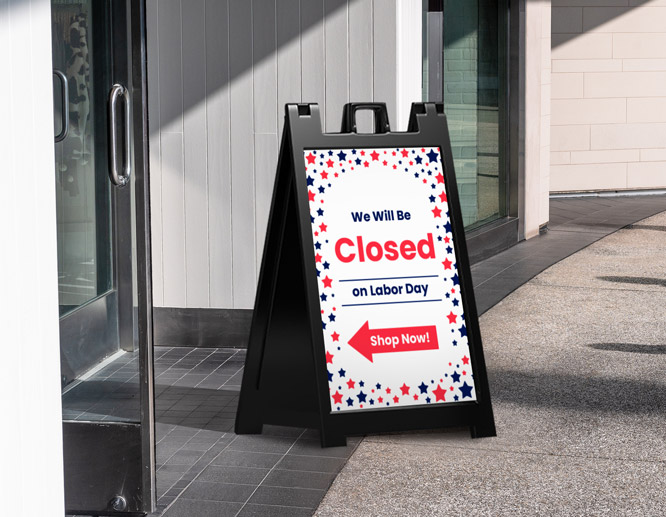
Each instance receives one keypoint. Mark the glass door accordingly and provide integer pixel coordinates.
(106, 367)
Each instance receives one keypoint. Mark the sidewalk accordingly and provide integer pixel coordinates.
(577, 365)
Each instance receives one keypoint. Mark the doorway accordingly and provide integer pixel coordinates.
(103, 255)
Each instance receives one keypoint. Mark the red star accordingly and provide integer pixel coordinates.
(385, 162)
(318, 257)
(437, 212)
(442, 196)
(405, 153)
(324, 175)
(375, 155)
(322, 227)
(327, 281)
(335, 336)
(311, 195)
(362, 153)
(311, 158)
(396, 399)
(330, 163)
(395, 166)
(351, 384)
(452, 317)
(440, 178)
(337, 397)
(447, 239)
(465, 359)
(388, 391)
(404, 388)
(440, 393)
(329, 357)
(447, 263)
(416, 397)
(380, 400)
(366, 164)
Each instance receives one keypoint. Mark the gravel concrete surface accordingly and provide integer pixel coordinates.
(577, 366)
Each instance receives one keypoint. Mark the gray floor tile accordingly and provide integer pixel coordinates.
(238, 475)
(191, 508)
(262, 510)
(299, 479)
(209, 491)
(299, 497)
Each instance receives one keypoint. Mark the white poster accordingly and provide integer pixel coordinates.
(389, 292)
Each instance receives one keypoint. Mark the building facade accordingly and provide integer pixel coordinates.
(151, 209)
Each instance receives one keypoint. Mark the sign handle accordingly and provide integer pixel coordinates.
(378, 109)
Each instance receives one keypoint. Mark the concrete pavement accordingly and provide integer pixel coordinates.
(577, 366)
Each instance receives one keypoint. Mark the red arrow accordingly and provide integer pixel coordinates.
(405, 339)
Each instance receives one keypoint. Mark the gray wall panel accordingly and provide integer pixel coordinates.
(216, 117)
(153, 69)
(219, 153)
(242, 153)
(195, 153)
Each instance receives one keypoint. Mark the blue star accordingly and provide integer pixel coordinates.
(448, 295)
(331, 317)
(455, 343)
(320, 211)
(456, 303)
(418, 160)
(372, 402)
(439, 238)
(317, 245)
(350, 401)
(326, 265)
(361, 396)
(456, 279)
(312, 218)
(423, 387)
(455, 397)
(463, 331)
(428, 400)
(447, 227)
(416, 174)
(432, 156)
(455, 376)
(330, 153)
(342, 156)
(323, 297)
(358, 161)
(353, 151)
(323, 325)
(341, 372)
(330, 376)
(310, 181)
(321, 190)
(378, 386)
(466, 390)
(318, 272)
(449, 249)
(361, 383)
(433, 199)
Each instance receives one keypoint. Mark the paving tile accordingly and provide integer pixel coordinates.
(311, 463)
(191, 508)
(209, 491)
(237, 475)
(262, 510)
(247, 459)
(299, 479)
(299, 497)
(261, 443)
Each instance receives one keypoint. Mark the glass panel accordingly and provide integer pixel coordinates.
(95, 221)
(472, 88)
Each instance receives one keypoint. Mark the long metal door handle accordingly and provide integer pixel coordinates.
(119, 178)
(64, 97)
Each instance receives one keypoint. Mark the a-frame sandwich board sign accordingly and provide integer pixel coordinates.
(365, 319)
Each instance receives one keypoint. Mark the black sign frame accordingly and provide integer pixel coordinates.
(285, 379)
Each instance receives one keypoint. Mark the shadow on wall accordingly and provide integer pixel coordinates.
(597, 18)
(293, 18)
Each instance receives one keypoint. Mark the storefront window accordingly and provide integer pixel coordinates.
(464, 66)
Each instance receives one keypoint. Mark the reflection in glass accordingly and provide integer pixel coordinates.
(82, 188)
(465, 37)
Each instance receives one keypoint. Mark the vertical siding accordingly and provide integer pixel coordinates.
(217, 114)
(31, 448)
(218, 136)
